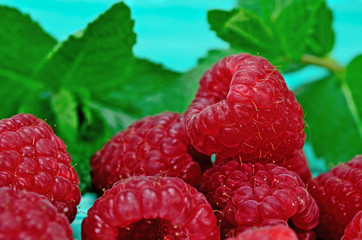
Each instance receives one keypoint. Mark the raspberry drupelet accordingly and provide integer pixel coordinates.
(353, 230)
(277, 232)
(33, 158)
(247, 195)
(296, 162)
(243, 106)
(148, 207)
(338, 194)
(155, 146)
(30, 216)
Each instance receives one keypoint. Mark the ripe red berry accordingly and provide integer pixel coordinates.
(148, 207)
(296, 162)
(250, 195)
(338, 194)
(155, 146)
(278, 232)
(33, 158)
(353, 230)
(243, 106)
(30, 216)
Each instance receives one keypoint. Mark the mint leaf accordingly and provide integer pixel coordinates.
(321, 40)
(14, 89)
(277, 30)
(352, 90)
(65, 106)
(292, 28)
(244, 30)
(24, 43)
(148, 89)
(96, 58)
(331, 128)
(116, 119)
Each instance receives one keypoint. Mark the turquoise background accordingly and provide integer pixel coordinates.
(176, 34)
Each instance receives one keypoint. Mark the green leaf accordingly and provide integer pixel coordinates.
(244, 30)
(96, 58)
(38, 104)
(14, 88)
(148, 89)
(321, 41)
(116, 119)
(279, 30)
(64, 107)
(90, 139)
(292, 28)
(352, 89)
(331, 128)
(24, 43)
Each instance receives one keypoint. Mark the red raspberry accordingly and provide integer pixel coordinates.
(252, 195)
(155, 146)
(338, 194)
(148, 207)
(30, 216)
(296, 162)
(278, 232)
(353, 230)
(243, 106)
(33, 158)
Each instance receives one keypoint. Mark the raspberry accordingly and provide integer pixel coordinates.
(30, 216)
(279, 232)
(253, 195)
(155, 145)
(243, 106)
(338, 194)
(33, 158)
(296, 162)
(353, 230)
(149, 207)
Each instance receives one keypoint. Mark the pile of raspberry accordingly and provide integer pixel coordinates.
(244, 114)
(156, 179)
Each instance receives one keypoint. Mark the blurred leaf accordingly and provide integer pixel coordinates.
(354, 87)
(14, 89)
(24, 43)
(19, 55)
(321, 41)
(96, 58)
(330, 125)
(148, 89)
(38, 104)
(64, 107)
(115, 118)
(90, 139)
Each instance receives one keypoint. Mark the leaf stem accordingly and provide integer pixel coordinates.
(326, 62)
(352, 107)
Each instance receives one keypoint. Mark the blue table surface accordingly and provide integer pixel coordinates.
(176, 34)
